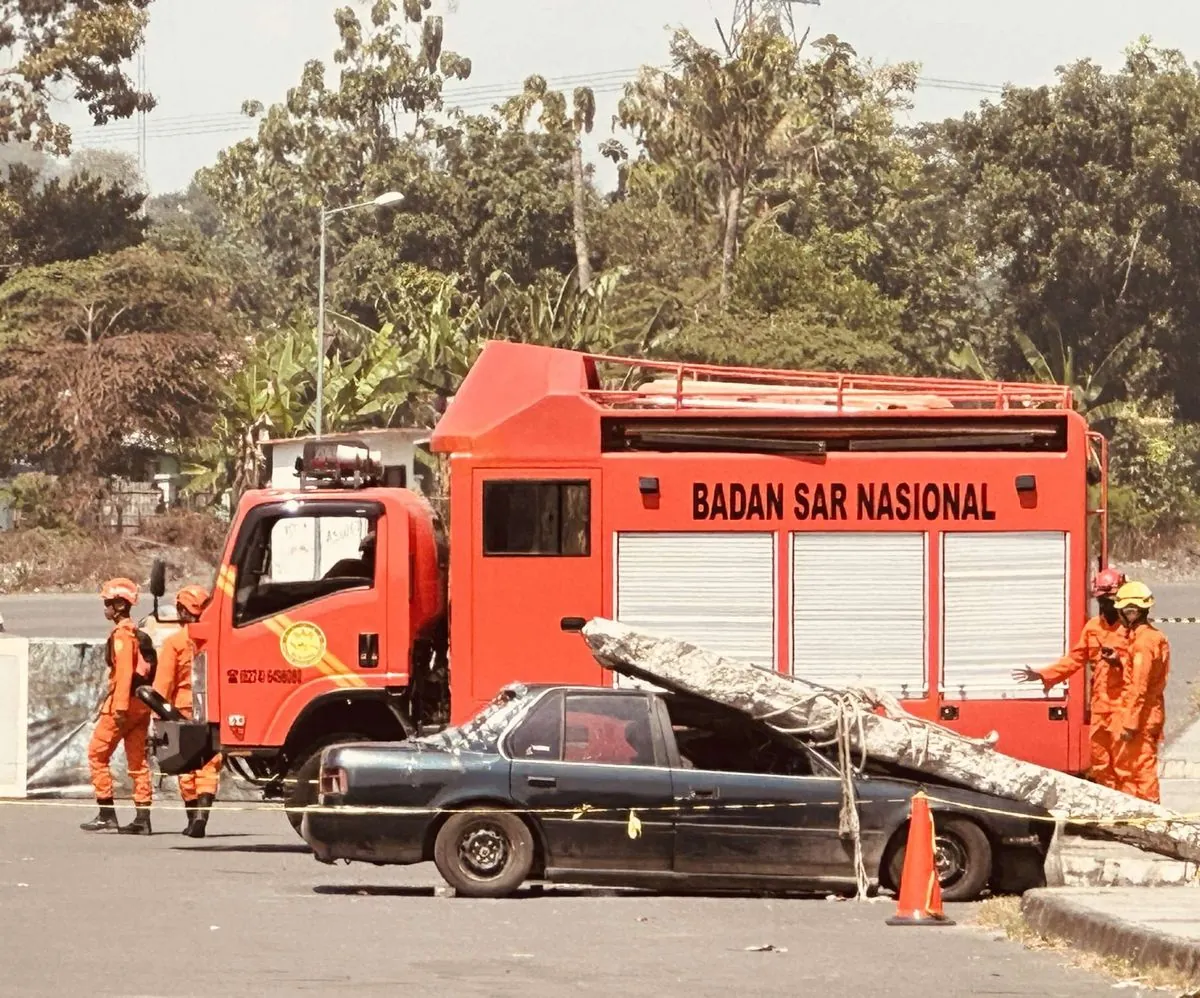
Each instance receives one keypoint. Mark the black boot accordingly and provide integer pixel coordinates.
(204, 805)
(140, 825)
(190, 807)
(105, 821)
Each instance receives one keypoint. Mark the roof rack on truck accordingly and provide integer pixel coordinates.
(677, 385)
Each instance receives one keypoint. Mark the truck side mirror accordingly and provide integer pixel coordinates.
(158, 578)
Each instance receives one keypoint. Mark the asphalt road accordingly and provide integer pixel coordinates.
(59, 615)
(248, 912)
(81, 616)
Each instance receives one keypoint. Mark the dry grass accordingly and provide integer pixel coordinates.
(1003, 915)
(198, 532)
(40, 560)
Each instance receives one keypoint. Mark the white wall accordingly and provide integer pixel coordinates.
(14, 714)
(392, 450)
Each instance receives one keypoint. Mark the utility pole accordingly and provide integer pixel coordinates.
(747, 12)
(141, 85)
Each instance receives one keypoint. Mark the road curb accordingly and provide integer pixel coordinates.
(1180, 769)
(1054, 912)
(1181, 758)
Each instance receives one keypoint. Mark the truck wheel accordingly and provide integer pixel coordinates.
(302, 792)
(963, 855)
(484, 853)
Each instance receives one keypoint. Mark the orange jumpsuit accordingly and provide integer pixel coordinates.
(1143, 712)
(173, 681)
(123, 660)
(1108, 682)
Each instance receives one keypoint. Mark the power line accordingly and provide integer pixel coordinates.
(477, 98)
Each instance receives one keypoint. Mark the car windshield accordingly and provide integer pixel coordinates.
(480, 732)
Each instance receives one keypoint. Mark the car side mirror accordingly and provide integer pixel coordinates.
(158, 578)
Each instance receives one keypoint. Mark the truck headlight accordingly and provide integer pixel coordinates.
(199, 686)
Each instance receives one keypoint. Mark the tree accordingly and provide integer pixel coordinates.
(53, 220)
(111, 167)
(790, 308)
(714, 119)
(481, 198)
(554, 119)
(330, 147)
(1084, 198)
(98, 353)
(80, 42)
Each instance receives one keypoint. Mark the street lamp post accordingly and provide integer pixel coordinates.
(390, 197)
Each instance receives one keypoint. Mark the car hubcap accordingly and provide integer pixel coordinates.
(950, 859)
(484, 851)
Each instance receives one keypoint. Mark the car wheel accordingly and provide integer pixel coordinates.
(302, 792)
(962, 854)
(484, 853)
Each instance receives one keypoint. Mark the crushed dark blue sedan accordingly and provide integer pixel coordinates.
(542, 783)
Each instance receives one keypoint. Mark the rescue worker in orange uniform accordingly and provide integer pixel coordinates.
(1102, 643)
(173, 681)
(123, 718)
(1143, 709)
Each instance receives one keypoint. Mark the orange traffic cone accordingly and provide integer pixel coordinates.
(920, 901)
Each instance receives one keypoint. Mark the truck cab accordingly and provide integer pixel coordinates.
(326, 616)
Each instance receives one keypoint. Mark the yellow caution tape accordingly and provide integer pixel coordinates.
(633, 821)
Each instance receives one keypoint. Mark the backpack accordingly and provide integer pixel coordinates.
(147, 654)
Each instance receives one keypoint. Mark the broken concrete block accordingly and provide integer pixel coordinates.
(884, 730)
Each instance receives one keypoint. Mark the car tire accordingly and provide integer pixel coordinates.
(965, 858)
(484, 853)
(303, 792)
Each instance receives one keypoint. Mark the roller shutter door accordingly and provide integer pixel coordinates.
(859, 609)
(714, 590)
(1004, 606)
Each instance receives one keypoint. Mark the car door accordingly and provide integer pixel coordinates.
(752, 807)
(582, 762)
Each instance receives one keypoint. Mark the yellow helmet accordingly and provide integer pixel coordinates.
(1134, 594)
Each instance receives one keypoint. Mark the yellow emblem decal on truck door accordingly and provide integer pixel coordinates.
(302, 644)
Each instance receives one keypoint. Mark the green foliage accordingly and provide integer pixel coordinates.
(713, 121)
(96, 353)
(771, 210)
(792, 309)
(82, 42)
(555, 120)
(1155, 492)
(337, 146)
(37, 500)
(1084, 196)
(47, 220)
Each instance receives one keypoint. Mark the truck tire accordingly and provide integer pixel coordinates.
(964, 858)
(484, 853)
(302, 792)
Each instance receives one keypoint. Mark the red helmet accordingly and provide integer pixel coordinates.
(1107, 582)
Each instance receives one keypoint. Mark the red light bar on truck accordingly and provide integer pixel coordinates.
(350, 464)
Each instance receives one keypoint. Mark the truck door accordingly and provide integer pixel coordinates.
(536, 559)
(307, 612)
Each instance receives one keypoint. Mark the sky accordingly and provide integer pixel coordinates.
(203, 58)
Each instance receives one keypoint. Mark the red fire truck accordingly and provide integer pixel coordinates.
(924, 536)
